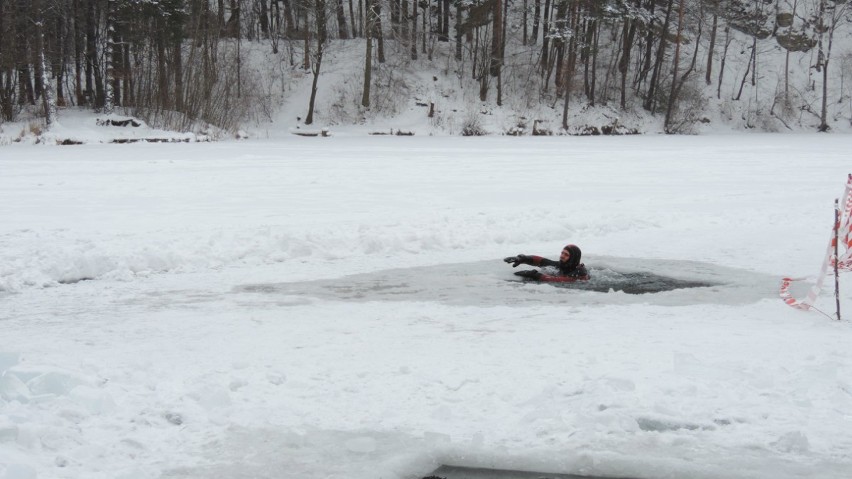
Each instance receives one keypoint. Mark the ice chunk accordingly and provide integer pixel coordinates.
(134, 473)
(94, 400)
(236, 384)
(436, 438)
(276, 378)
(54, 382)
(212, 397)
(362, 445)
(13, 389)
(794, 441)
(7, 360)
(18, 471)
(8, 430)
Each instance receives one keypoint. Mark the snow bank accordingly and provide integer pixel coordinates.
(31, 259)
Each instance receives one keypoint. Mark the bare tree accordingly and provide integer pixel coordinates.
(650, 103)
(368, 60)
(497, 49)
(109, 47)
(831, 16)
(342, 31)
(711, 49)
(7, 62)
(48, 100)
(322, 37)
(675, 68)
(377, 30)
(413, 46)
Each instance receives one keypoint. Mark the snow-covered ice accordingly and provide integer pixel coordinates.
(181, 310)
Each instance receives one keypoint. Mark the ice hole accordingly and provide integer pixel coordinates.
(484, 283)
(458, 472)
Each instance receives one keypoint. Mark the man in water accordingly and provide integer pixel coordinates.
(569, 266)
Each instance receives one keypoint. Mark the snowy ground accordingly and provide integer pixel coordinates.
(182, 311)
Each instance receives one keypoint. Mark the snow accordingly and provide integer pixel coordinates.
(338, 307)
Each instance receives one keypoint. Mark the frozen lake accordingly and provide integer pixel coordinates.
(338, 308)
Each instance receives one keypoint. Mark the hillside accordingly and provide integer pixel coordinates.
(738, 67)
(746, 88)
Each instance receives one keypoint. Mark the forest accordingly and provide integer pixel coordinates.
(179, 63)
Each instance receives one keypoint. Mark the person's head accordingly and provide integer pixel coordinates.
(570, 255)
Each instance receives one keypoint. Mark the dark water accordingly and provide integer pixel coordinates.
(454, 472)
(491, 283)
(604, 280)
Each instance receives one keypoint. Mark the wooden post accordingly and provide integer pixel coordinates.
(836, 255)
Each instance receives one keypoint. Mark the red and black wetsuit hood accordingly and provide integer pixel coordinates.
(573, 262)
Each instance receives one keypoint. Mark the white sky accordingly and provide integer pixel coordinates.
(220, 335)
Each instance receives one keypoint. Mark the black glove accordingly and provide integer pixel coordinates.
(516, 260)
(529, 274)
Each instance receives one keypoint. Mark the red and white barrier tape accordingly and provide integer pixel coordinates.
(847, 213)
(844, 262)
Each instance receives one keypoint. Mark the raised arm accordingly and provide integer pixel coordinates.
(531, 260)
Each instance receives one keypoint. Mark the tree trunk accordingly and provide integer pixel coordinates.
(837, 14)
(545, 41)
(628, 37)
(723, 61)
(536, 20)
(178, 72)
(33, 59)
(264, 19)
(567, 95)
(26, 94)
(289, 24)
(163, 97)
(97, 72)
(109, 92)
(377, 33)
(595, 49)
(48, 102)
(79, 49)
(708, 73)
(394, 17)
(368, 60)
(458, 31)
(748, 67)
(352, 19)
(569, 72)
(233, 26)
(414, 30)
(239, 66)
(220, 14)
(497, 39)
(342, 31)
(650, 100)
(672, 96)
(426, 16)
(445, 26)
(649, 47)
(322, 37)
(404, 37)
(559, 45)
